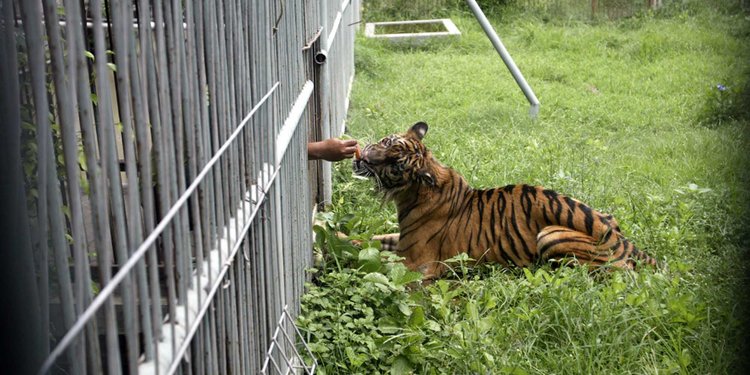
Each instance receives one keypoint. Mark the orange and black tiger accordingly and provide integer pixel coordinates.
(440, 215)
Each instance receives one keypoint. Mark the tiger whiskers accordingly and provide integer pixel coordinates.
(378, 182)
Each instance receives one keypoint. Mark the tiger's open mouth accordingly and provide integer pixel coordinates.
(362, 168)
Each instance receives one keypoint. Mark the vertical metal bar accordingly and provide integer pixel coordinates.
(36, 66)
(191, 136)
(82, 100)
(229, 48)
(183, 143)
(232, 321)
(242, 307)
(257, 165)
(202, 144)
(254, 326)
(221, 119)
(209, 116)
(142, 141)
(242, 102)
(221, 330)
(174, 26)
(215, 120)
(147, 64)
(271, 69)
(213, 337)
(105, 253)
(507, 59)
(172, 139)
(236, 84)
(259, 54)
(122, 26)
(325, 110)
(198, 349)
(166, 178)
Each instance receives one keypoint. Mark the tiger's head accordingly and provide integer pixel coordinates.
(398, 162)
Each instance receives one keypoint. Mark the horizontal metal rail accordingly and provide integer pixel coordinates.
(290, 125)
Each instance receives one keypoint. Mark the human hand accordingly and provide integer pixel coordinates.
(331, 149)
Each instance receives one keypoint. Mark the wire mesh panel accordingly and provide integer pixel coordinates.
(287, 342)
(166, 204)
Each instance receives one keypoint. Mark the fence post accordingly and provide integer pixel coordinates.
(325, 98)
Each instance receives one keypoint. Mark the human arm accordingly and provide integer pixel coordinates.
(332, 149)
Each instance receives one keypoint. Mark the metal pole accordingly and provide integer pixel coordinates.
(507, 59)
(325, 97)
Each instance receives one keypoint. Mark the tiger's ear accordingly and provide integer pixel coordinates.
(419, 130)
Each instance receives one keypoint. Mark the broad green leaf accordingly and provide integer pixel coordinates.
(404, 308)
(471, 310)
(433, 325)
(409, 277)
(401, 366)
(417, 318)
(369, 259)
(377, 278)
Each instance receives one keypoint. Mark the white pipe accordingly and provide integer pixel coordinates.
(324, 97)
(322, 55)
(507, 59)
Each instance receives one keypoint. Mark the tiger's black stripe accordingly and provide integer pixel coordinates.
(588, 218)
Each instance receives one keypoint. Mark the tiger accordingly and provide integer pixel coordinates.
(441, 216)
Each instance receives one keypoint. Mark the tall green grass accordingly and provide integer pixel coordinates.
(632, 122)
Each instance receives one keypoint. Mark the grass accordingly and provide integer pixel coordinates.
(632, 122)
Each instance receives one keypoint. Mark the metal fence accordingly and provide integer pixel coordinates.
(164, 193)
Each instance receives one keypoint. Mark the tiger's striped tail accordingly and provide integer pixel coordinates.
(558, 243)
(640, 257)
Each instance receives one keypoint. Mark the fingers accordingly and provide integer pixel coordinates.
(349, 142)
(332, 149)
(349, 147)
